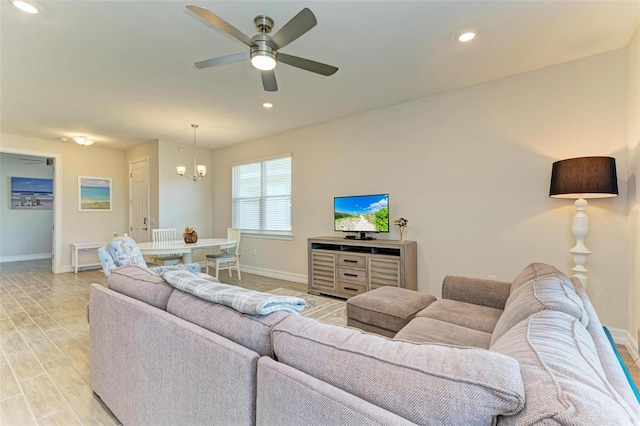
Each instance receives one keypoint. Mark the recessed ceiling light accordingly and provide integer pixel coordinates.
(466, 36)
(267, 105)
(25, 7)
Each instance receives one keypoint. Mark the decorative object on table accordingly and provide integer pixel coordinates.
(94, 194)
(579, 179)
(190, 235)
(198, 169)
(401, 223)
(31, 193)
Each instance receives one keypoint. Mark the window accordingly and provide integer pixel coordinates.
(261, 199)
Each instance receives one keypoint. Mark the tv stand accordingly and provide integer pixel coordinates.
(345, 267)
(363, 237)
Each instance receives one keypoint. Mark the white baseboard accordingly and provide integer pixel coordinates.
(287, 276)
(623, 337)
(24, 257)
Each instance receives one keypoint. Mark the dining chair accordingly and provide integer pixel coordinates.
(228, 258)
(166, 234)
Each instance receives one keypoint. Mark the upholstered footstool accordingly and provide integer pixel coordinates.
(385, 310)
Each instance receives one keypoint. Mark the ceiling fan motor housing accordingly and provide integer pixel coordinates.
(261, 47)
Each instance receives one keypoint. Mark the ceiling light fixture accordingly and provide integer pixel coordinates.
(83, 140)
(198, 170)
(25, 7)
(267, 105)
(466, 36)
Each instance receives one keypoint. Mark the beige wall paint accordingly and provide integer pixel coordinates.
(470, 169)
(633, 209)
(82, 161)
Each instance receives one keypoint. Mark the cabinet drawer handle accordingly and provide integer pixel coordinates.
(350, 275)
(351, 289)
(349, 261)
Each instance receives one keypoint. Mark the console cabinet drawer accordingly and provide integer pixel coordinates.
(352, 261)
(351, 275)
(351, 289)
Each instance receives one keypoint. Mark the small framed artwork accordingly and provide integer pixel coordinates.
(31, 193)
(94, 194)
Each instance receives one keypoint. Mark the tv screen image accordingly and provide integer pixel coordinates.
(361, 213)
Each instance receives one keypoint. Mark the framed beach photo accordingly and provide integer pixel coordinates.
(31, 193)
(94, 194)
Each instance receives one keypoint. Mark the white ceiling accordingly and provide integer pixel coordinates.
(122, 72)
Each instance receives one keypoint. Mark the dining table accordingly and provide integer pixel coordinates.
(186, 249)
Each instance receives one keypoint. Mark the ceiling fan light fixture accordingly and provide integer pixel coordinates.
(25, 7)
(264, 61)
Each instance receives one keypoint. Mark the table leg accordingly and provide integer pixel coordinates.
(188, 257)
(74, 261)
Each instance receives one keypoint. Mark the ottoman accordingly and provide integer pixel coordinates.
(385, 310)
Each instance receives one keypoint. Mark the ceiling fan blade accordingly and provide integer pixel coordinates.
(307, 64)
(269, 81)
(220, 23)
(298, 25)
(221, 60)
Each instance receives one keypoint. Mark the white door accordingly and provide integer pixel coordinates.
(139, 211)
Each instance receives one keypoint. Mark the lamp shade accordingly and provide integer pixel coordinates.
(584, 177)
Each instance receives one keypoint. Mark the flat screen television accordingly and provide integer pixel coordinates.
(361, 214)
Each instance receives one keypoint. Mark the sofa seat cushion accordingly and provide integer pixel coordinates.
(477, 317)
(387, 308)
(547, 293)
(563, 378)
(424, 383)
(429, 330)
(250, 331)
(142, 284)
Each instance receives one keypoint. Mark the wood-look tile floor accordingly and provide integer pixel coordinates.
(44, 344)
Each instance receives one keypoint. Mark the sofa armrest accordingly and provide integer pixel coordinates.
(478, 291)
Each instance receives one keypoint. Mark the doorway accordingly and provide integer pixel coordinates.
(56, 261)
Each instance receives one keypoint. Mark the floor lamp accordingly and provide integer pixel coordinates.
(579, 179)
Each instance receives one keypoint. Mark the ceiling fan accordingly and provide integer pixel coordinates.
(263, 48)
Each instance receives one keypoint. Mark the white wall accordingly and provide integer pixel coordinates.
(633, 209)
(76, 160)
(470, 169)
(24, 234)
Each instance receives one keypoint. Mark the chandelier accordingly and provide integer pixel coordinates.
(198, 170)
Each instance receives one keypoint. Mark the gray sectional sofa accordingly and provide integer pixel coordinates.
(163, 357)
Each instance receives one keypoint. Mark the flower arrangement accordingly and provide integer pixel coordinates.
(190, 234)
(401, 223)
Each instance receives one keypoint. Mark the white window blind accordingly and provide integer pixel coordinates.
(261, 199)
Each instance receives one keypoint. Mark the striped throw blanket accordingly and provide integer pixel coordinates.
(241, 299)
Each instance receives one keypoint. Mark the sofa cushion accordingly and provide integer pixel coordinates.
(477, 317)
(142, 284)
(563, 378)
(250, 331)
(429, 330)
(535, 271)
(388, 308)
(547, 293)
(424, 383)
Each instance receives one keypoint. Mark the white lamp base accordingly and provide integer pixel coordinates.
(580, 252)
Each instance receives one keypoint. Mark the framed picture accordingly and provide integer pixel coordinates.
(94, 194)
(31, 193)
